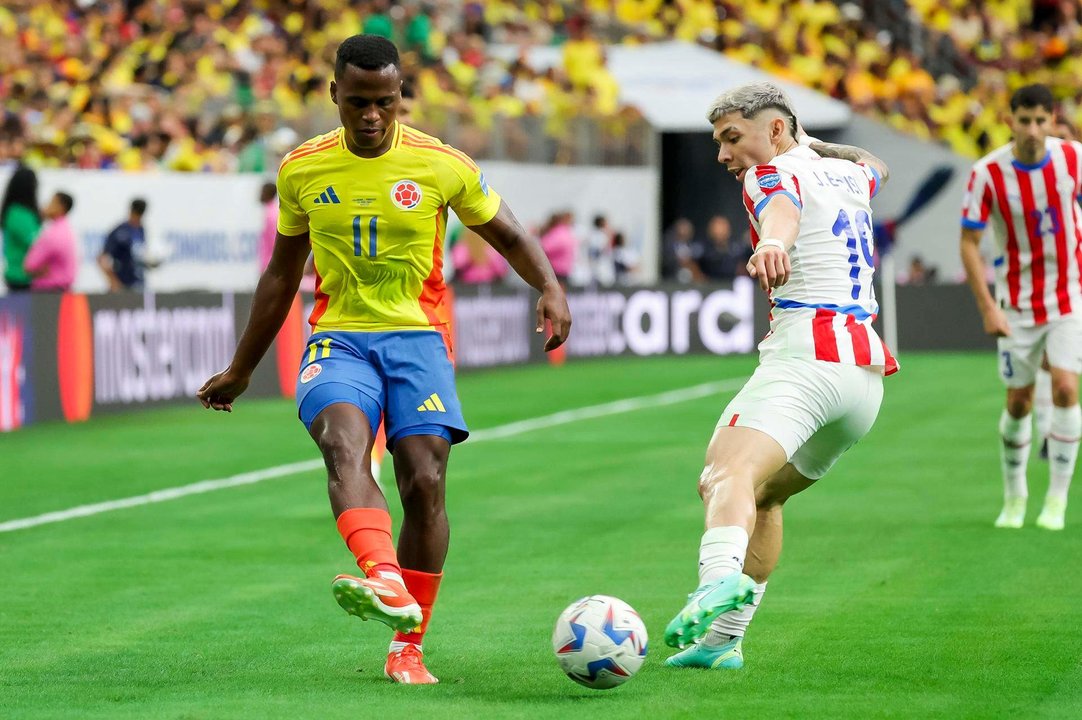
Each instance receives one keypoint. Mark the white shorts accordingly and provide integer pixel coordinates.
(1020, 354)
(815, 410)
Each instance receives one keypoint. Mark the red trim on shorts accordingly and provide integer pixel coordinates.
(826, 344)
(862, 348)
(891, 365)
(732, 422)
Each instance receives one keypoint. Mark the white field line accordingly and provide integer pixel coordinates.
(499, 432)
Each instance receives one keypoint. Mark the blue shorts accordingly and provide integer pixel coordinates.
(404, 376)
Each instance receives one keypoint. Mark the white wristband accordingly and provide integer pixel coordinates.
(770, 242)
(807, 140)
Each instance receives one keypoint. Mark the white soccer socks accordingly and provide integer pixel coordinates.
(735, 622)
(1014, 454)
(722, 552)
(1063, 437)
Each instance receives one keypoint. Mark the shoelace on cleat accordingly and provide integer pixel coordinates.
(411, 656)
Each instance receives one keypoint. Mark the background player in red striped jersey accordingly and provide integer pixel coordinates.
(1028, 190)
(819, 383)
(370, 199)
(1042, 391)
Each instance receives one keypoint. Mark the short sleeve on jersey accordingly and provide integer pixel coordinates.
(874, 181)
(1077, 157)
(292, 220)
(469, 194)
(764, 183)
(978, 201)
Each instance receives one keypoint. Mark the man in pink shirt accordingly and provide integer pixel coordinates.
(476, 262)
(561, 244)
(53, 259)
(268, 196)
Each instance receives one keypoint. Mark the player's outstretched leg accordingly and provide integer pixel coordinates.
(737, 460)
(722, 647)
(343, 433)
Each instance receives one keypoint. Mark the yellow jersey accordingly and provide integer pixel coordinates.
(377, 227)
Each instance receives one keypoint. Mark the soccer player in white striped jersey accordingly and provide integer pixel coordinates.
(819, 382)
(1028, 190)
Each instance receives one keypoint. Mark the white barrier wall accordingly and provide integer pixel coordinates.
(205, 228)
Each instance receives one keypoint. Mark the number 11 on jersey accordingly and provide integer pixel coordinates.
(357, 222)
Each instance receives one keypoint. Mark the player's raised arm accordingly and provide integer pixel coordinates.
(524, 253)
(851, 153)
(273, 298)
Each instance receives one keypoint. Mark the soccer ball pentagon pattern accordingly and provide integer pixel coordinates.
(600, 641)
(406, 194)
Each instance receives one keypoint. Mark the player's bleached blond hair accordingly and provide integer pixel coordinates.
(750, 100)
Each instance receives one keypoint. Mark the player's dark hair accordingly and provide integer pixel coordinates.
(138, 206)
(66, 201)
(267, 192)
(368, 52)
(1033, 96)
(22, 190)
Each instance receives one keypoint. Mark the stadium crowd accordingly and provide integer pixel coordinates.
(230, 86)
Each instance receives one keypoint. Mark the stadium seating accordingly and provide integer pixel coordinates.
(230, 86)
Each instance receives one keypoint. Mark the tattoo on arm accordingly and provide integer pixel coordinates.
(853, 154)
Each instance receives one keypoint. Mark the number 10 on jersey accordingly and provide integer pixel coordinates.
(856, 231)
(358, 222)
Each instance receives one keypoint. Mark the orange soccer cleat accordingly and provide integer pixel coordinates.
(407, 666)
(378, 598)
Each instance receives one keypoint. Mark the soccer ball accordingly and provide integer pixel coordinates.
(600, 641)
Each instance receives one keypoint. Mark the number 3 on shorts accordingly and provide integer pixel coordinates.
(1007, 369)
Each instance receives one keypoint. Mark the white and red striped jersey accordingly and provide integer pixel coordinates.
(1035, 214)
(825, 310)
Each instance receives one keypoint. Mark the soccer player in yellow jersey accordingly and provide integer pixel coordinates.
(370, 200)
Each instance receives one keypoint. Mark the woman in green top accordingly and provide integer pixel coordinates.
(20, 222)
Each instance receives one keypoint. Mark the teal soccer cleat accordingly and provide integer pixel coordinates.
(732, 592)
(729, 656)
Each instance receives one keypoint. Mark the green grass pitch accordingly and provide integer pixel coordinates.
(895, 597)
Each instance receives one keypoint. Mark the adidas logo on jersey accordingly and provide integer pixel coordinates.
(432, 404)
(328, 197)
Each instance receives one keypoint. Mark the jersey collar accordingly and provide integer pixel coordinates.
(1019, 165)
(395, 142)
